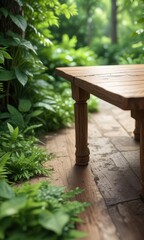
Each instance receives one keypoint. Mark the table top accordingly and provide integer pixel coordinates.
(121, 85)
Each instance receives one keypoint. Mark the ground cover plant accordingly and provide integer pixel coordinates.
(22, 158)
(32, 211)
(39, 211)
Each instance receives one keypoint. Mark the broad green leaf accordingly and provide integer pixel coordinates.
(35, 113)
(14, 135)
(12, 110)
(8, 41)
(4, 115)
(54, 222)
(6, 55)
(10, 127)
(6, 75)
(32, 127)
(44, 105)
(27, 45)
(21, 76)
(24, 105)
(1, 57)
(12, 206)
(6, 191)
(16, 116)
(4, 11)
(19, 21)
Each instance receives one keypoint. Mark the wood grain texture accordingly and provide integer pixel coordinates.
(137, 130)
(121, 85)
(81, 125)
(96, 220)
(129, 218)
(138, 115)
(115, 165)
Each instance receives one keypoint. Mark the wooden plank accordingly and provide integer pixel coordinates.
(115, 179)
(124, 143)
(124, 119)
(133, 161)
(108, 125)
(115, 176)
(115, 165)
(97, 222)
(129, 218)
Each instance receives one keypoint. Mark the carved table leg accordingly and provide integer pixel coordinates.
(81, 125)
(142, 156)
(137, 131)
(139, 116)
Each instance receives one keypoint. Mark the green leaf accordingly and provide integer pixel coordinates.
(54, 222)
(10, 127)
(20, 2)
(6, 75)
(35, 113)
(4, 115)
(44, 105)
(27, 45)
(1, 57)
(16, 116)
(6, 191)
(12, 206)
(13, 132)
(4, 11)
(4, 159)
(32, 127)
(21, 76)
(24, 105)
(19, 21)
(6, 55)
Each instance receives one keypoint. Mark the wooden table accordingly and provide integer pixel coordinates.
(120, 85)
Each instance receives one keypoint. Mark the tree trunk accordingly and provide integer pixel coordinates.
(114, 39)
(6, 23)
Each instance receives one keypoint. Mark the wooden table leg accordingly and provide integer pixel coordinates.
(81, 125)
(142, 156)
(137, 131)
(139, 117)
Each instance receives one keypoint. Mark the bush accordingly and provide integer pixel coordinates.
(20, 158)
(38, 212)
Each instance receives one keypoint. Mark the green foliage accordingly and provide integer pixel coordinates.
(24, 104)
(3, 170)
(66, 54)
(26, 117)
(6, 192)
(4, 55)
(92, 27)
(21, 157)
(43, 14)
(39, 211)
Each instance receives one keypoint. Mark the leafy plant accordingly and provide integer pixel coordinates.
(24, 159)
(39, 211)
(3, 169)
(21, 70)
